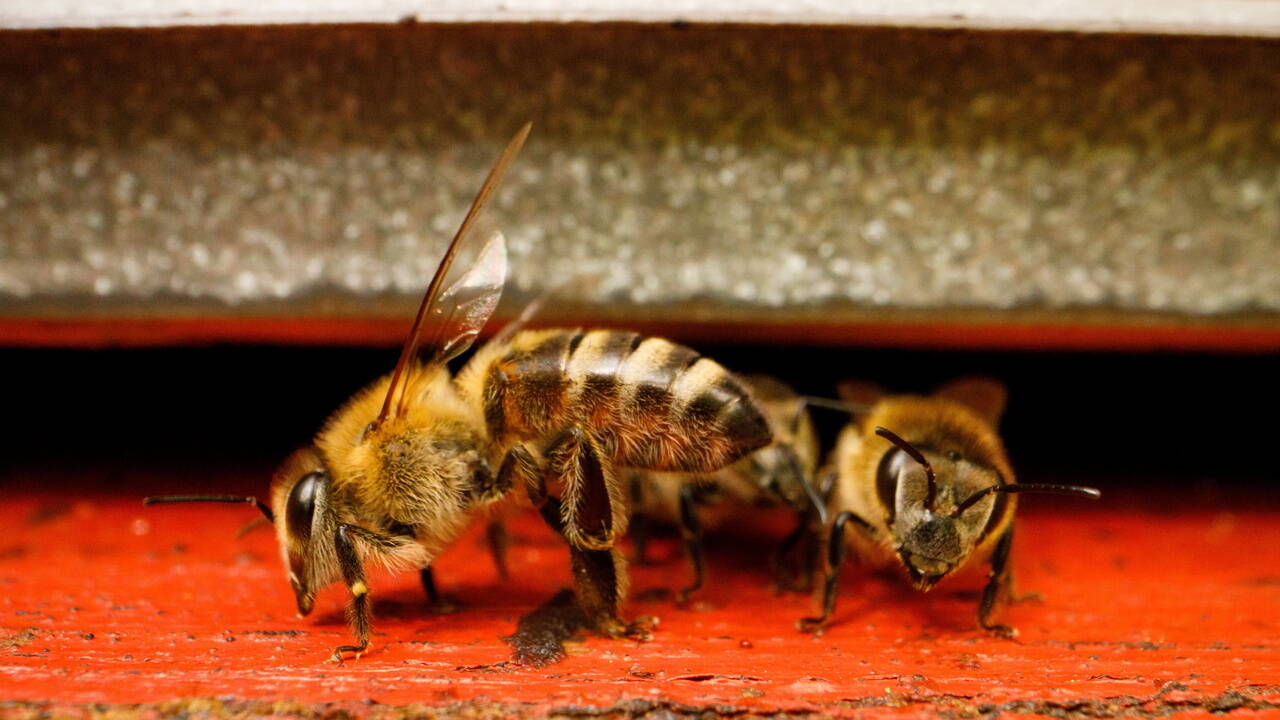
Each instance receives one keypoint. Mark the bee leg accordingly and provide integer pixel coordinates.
(999, 585)
(640, 540)
(639, 525)
(691, 531)
(595, 510)
(439, 604)
(591, 516)
(358, 611)
(1012, 596)
(802, 581)
(835, 560)
(495, 534)
(519, 469)
(600, 582)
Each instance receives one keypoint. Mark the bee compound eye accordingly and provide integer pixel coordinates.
(301, 506)
(891, 466)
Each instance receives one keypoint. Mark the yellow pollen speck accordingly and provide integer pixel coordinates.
(359, 589)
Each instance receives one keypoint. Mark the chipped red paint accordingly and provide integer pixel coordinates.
(104, 601)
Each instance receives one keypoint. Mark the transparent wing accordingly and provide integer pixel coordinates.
(461, 311)
(582, 284)
(431, 299)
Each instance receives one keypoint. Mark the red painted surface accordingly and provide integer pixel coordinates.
(1153, 597)
(999, 333)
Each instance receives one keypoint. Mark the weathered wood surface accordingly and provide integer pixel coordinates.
(1154, 604)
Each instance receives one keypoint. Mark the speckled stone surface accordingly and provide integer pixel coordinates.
(741, 168)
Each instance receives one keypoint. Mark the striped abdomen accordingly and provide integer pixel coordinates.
(648, 402)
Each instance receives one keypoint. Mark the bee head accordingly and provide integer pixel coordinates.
(944, 504)
(786, 466)
(300, 501)
(300, 511)
(781, 472)
(925, 487)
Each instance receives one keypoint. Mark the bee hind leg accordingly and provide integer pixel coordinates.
(591, 516)
(999, 586)
(600, 583)
(691, 531)
(593, 506)
(640, 541)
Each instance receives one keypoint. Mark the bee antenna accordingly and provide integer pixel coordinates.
(167, 499)
(442, 270)
(250, 526)
(838, 405)
(918, 456)
(819, 506)
(1076, 490)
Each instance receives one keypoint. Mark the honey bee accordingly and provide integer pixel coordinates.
(399, 470)
(927, 486)
(778, 475)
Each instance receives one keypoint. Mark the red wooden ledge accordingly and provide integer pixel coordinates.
(1152, 605)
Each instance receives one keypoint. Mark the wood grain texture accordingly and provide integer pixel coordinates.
(1154, 604)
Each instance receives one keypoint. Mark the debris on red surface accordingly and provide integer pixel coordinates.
(1152, 605)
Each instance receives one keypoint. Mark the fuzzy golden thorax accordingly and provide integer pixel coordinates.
(418, 469)
(966, 456)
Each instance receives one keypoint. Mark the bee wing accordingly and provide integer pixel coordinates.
(463, 309)
(985, 396)
(860, 392)
(430, 300)
(583, 284)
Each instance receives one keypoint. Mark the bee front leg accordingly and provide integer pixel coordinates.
(999, 585)
(835, 560)
(358, 612)
(691, 531)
